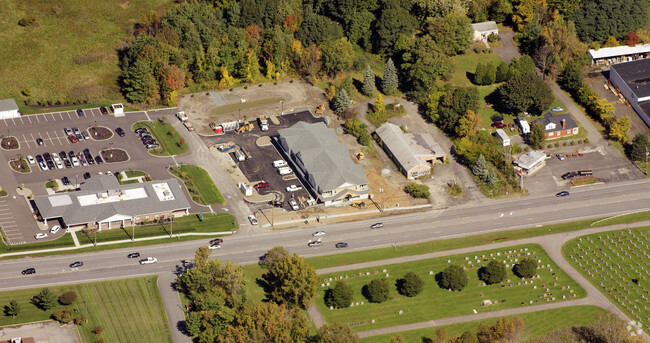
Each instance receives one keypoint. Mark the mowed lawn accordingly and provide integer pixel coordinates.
(434, 302)
(536, 323)
(618, 264)
(201, 183)
(129, 310)
(72, 51)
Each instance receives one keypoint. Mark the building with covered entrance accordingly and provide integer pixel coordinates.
(103, 203)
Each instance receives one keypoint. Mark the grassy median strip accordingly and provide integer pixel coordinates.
(552, 285)
(171, 143)
(129, 310)
(199, 185)
(64, 241)
(537, 324)
(463, 242)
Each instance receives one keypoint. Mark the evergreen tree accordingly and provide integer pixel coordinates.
(492, 178)
(45, 299)
(368, 82)
(480, 168)
(503, 72)
(389, 83)
(139, 84)
(490, 74)
(13, 309)
(341, 102)
(639, 144)
(479, 74)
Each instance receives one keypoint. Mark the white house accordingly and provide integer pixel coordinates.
(523, 124)
(484, 29)
(503, 136)
(8, 109)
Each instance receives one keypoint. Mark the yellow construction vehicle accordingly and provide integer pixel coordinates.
(358, 204)
(360, 156)
(246, 127)
(320, 109)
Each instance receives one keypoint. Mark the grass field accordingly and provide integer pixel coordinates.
(455, 243)
(199, 184)
(72, 53)
(244, 105)
(128, 310)
(433, 303)
(618, 264)
(167, 137)
(537, 324)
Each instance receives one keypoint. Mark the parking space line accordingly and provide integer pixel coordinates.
(61, 115)
(13, 121)
(37, 120)
(25, 139)
(69, 116)
(49, 137)
(53, 117)
(30, 119)
(5, 120)
(21, 121)
(60, 138)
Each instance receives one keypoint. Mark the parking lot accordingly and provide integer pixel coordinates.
(606, 167)
(15, 214)
(260, 154)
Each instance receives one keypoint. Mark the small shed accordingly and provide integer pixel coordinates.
(523, 124)
(531, 161)
(484, 29)
(8, 109)
(503, 136)
(118, 110)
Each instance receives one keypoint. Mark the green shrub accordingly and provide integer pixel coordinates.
(493, 38)
(586, 140)
(340, 296)
(411, 285)
(417, 190)
(28, 20)
(67, 298)
(494, 272)
(63, 316)
(98, 330)
(377, 291)
(81, 320)
(527, 267)
(453, 277)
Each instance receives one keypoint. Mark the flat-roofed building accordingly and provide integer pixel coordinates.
(619, 54)
(9, 109)
(632, 79)
(531, 162)
(105, 204)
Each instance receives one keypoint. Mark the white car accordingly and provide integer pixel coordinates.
(40, 235)
(58, 164)
(318, 233)
(55, 229)
(75, 161)
(149, 260)
(55, 157)
(294, 205)
(252, 219)
(214, 246)
(30, 159)
(293, 188)
(43, 165)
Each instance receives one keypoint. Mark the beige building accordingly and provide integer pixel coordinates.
(323, 163)
(413, 153)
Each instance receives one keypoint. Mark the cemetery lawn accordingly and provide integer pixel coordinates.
(129, 310)
(537, 324)
(618, 264)
(434, 302)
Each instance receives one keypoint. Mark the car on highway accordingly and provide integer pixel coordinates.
(562, 194)
(76, 264)
(40, 235)
(216, 241)
(377, 225)
(103, 110)
(318, 233)
(28, 271)
(55, 229)
(341, 245)
(569, 175)
(30, 159)
(80, 112)
(293, 188)
(39, 141)
(214, 246)
(314, 244)
(120, 132)
(73, 139)
(560, 157)
(252, 219)
(261, 184)
(557, 109)
(148, 260)
(133, 255)
(499, 125)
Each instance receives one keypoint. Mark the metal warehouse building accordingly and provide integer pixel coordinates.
(633, 81)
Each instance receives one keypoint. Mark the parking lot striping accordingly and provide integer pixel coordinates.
(37, 120)
(61, 115)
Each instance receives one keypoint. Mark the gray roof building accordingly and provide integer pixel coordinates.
(8, 105)
(412, 152)
(486, 26)
(103, 200)
(323, 162)
(557, 123)
(636, 75)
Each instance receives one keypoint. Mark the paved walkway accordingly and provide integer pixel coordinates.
(173, 308)
(552, 244)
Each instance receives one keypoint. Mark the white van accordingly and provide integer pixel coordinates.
(285, 171)
(279, 163)
(240, 155)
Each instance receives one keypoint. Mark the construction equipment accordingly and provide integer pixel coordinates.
(248, 126)
(360, 155)
(358, 204)
(264, 123)
(320, 109)
(226, 147)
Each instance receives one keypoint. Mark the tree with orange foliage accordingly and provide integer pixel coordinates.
(504, 330)
(632, 39)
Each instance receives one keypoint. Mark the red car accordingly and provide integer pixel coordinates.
(261, 185)
(73, 139)
(499, 125)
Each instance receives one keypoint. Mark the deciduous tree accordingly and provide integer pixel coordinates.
(316, 29)
(452, 32)
(201, 256)
(453, 277)
(340, 296)
(394, 20)
(525, 92)
(494, 272)
(411, 285)
(377, 291)
(537, 135)
(527, 267)
(336, 56)
(620, 128)
(468, 124)
(632, 39)
(504, 330)
(336, 333)
(291, 281)
(267, 322)
(596, 20)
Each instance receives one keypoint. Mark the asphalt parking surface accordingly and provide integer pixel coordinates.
(258, 166)
(15, 214)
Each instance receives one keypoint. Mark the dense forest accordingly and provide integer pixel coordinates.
(208, 44)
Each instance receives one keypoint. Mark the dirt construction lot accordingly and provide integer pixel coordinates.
(47, 331)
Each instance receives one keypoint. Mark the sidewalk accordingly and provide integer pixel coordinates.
(173, 308)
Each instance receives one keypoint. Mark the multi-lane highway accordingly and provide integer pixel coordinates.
(589, 202)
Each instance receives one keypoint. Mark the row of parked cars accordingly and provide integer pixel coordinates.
(52, 161)
(146, 138)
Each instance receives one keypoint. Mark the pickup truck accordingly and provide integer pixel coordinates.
(294, 205)
(149, 260)
(293, 188)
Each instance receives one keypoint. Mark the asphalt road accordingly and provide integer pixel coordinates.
(591, 202)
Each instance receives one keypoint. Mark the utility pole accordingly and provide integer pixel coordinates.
(132, 230)
(521, 176)
(646, 160)
(171, 226)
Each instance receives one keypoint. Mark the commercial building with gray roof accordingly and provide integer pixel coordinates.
(323, 163)
(413, 153)
(632, 79)
(9, 109)
(103, 203)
